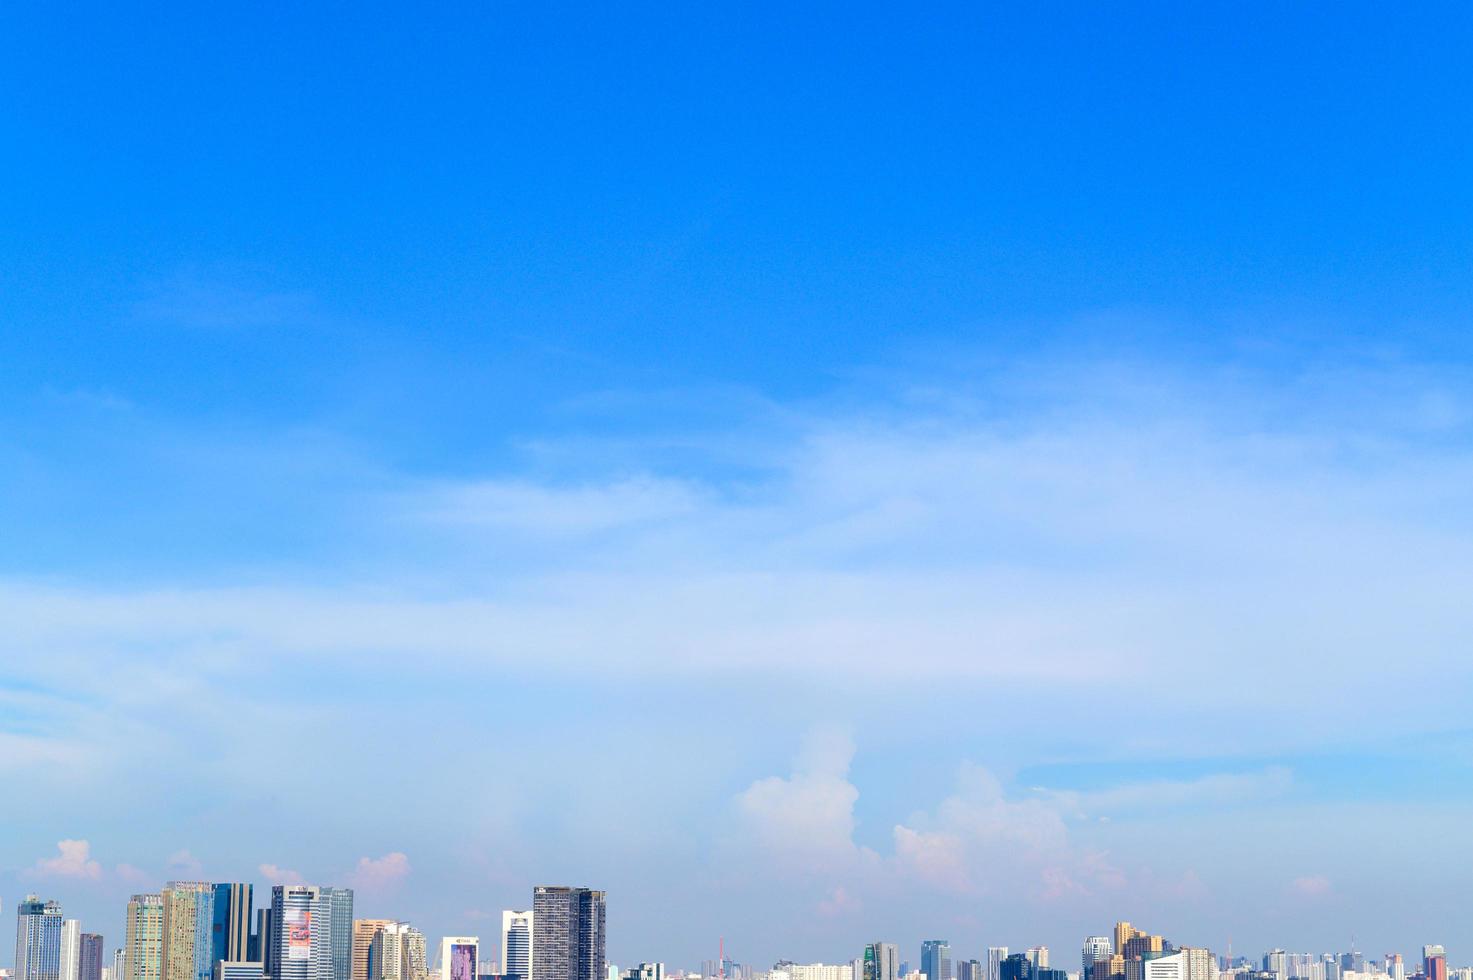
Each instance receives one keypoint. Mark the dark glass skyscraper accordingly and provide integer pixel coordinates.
(1017, 967)
(568, 941)
(341, 933)
(936, 959)
(230, 928)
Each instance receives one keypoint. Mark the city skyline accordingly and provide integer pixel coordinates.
(822, 474)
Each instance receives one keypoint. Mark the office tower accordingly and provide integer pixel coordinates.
(260, 944)
(239, 970)
(363, 932)
(570, 933)
(71, 949)
(1354, 961)
(301, 936)
(1048, 973)
(516, 944)
(340, 932)
(1038, 957)
(416, 959)
(1276, 961)
(970, 970)
(89, 959)
(1096, 948)
(1434, 963)
(1017, 966)
(1396, 968)
(460, 958)
(37, 940)
(880, 962)
(995, 956)
(143, 947)
(230, 938)
(936, 959)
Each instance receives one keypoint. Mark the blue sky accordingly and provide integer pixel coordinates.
(821, 473)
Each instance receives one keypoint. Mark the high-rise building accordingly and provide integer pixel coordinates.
(936, 959)
(516, 944)
(189, 921)
(1038, 957)
(230, 936)
(970, 970)
(995, 956)
(363, 933)
(1276, 961)
(120, 962)
(1017, 966)
(340, 931)
(1171, 967)
(1096, 948)
(143, 947)
(71, 948)
(460, 958)
(1396, 967)
(37, 940)
(1434, 962)
(301, 938)
(881, 962)
(570, 934)
(416, 959)
(89, 962)
(1198, 963)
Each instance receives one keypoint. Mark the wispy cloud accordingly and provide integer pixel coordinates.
(378, 874)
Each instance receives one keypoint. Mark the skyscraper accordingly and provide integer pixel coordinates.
(71, 948)
(37, 940)
(230, 937)
(300, 946)
(970, 970)
(1038, 957)
(516, 944)
(89, 963)
(570, 934)
(936, 959)
(188, 930)
(340, 932)
(1434, 962)
(1017, 966)
(363, 933)
(881, 962)
(995, 956)
(1096, 948)
(143, 949)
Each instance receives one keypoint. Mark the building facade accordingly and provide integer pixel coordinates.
(570, 942)
(936, 959)
(143, 947)
(37, 940)
(517, 939)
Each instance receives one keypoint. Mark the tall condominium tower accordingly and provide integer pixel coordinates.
(143, 949)
(881, 962)
(189, 928)
(516, 944)
(89, 962)
(570, 934)
(37, 940)
(995, 956)
(230, 937)
(936, 959)
(1434, 962)
(1038, 957)
(71, 948)
(363, 933)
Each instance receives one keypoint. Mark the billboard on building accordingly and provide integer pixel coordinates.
(463, 961)
(298, 934)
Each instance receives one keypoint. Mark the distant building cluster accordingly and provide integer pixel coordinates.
(195, 930)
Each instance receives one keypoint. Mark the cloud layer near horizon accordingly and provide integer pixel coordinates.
(1088, 565)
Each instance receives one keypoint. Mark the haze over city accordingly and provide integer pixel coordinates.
(819, 475)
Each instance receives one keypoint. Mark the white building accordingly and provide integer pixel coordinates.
(71, 949)
(995, 956)
(517, 937)
(460, 958)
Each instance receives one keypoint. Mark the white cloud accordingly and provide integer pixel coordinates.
(806, 818)
(378, 874)
(281, 876)
(74, 860)
(184, 864)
